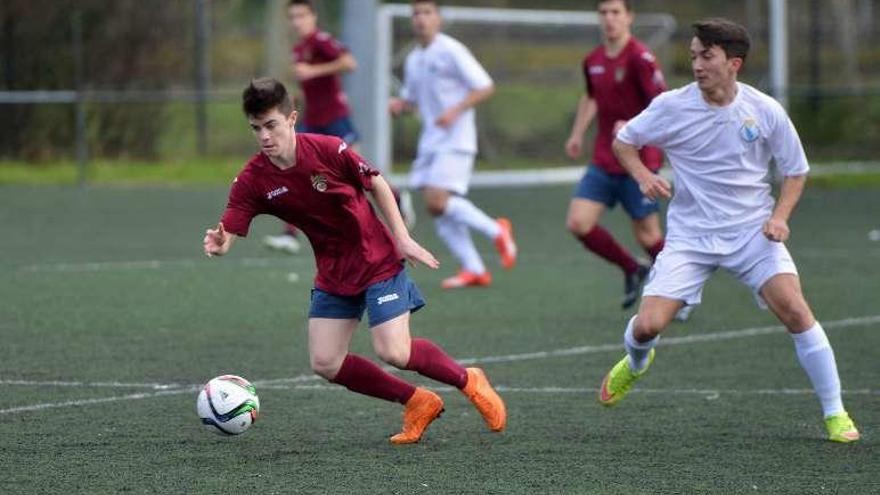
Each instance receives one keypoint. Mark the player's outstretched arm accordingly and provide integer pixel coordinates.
(651, 184)
(399, 106)
(409, 248)
(776, 228)
(586, 112)
(474, 98)
(217, 241)
(345, 63)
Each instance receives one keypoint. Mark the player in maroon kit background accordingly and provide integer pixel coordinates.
(320, 184)
(622, 77)
(318, 62)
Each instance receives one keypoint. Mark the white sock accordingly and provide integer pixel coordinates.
(458, 239)
(635, 350)
(467, 213)
(817, 358)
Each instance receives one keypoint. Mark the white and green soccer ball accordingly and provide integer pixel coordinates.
(228, 405)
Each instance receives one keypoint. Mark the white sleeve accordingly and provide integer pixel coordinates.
(785, 144)
(407, 91)
(647, 128)
(472, 73)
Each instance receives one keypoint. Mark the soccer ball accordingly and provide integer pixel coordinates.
(228, 405)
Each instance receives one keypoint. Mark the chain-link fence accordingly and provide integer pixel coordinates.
(160, 79)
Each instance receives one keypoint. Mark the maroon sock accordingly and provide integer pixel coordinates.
(654, 250)
(428, 359)
(364, 377)
(602, 243)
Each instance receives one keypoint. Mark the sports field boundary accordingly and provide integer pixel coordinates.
(554, 176)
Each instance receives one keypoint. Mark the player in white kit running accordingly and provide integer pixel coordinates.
(444, 81)
(719, 136)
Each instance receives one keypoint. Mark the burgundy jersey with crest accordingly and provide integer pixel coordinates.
(324, 195)
(325, 99)
(622, 87)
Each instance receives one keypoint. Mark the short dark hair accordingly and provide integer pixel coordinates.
(627, 4)
(264, 94)
(731, 36)
(308, 3)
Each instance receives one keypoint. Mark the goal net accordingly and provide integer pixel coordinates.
(534, 57)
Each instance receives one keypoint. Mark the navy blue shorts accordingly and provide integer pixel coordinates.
(383, 301)
(341, 128)
(602, 187)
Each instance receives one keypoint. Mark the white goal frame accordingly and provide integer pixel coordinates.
(665, 24)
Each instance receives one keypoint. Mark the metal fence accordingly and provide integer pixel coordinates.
(160, 79)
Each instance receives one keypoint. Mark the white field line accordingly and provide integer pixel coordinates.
(136, 265)
(151, 386)
(669, 341)
(172, 389)
(708, 394)
(59, 383)
(106, 266)
(570, 351)
(100, 400)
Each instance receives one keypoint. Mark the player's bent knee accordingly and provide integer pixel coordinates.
(326, 366)
(579, 227)
(435, 201)
(436, 209)
(435, 204)
(396, 356)
(648, 238)
(648, 326)
(794, 312)
(798, 318)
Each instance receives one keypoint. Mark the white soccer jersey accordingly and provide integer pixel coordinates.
(720, 156)
(437, 77)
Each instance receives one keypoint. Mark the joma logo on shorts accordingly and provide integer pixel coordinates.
(388, 298)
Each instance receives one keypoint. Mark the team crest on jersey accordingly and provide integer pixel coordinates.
(619, 74)
(750, 130)
(319, 182)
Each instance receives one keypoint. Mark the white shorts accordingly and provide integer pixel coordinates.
(684, 265)
(449, 170)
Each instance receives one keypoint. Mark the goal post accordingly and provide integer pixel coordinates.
(527, 52)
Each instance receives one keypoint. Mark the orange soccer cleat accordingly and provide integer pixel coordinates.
(419, 411)
(465, 278)
(505, 244)
(485, 399)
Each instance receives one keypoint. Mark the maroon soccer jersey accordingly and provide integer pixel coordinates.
(622, 87)
(325, 100)
(324, 195)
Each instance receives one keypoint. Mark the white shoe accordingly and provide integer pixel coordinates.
(407, 210)
(684, 313)
(285, 243)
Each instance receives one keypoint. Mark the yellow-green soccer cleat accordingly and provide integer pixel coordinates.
(619, 380)
(841, 428)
